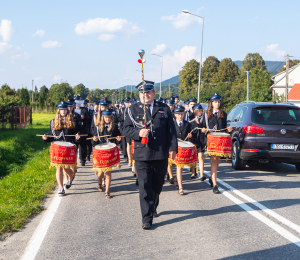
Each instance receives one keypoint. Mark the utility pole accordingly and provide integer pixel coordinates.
(247, 71)
(287, 68)
(32, 93)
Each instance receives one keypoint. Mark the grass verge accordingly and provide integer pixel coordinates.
(25, 178)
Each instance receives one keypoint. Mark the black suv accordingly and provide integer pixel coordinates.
(265, 132)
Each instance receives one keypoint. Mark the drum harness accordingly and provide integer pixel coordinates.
(60, 135)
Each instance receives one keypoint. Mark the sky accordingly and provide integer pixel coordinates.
(97, 42)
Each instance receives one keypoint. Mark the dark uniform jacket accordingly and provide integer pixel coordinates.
(96, 132)
(184, 130)
(188, 115)
(162, 138)
(215, 122)
(60, 135)
(199, 138)
(86, 121)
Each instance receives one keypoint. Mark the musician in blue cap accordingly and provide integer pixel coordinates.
(215, 119)
(176, 100)
(199, 140)
(61, 127)
(151, 157)
(189, 116)
(104, 125)
(170, 102)
(126, 141)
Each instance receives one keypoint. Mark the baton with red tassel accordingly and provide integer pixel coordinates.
(142, 61)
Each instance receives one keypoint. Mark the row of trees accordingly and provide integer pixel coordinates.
(225, 78)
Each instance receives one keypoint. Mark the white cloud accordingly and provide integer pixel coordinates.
(273, 49)
(106, 37)
(6, 30)
(51, 44)
(6, 48)
(38, 78)
(40, 33)
(2, 70)
(160, 48)
(107, 28)
(182, 20)
(57, 78)
(24, 56)
(174, 63)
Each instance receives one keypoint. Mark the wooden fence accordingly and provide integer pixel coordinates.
(15, 117)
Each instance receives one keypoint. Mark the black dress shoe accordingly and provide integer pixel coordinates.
(146, 226)
(82, 163)
(134, 174)
(203, 178)
(211, 183)
(171, 181)
(216, 190)
(137, 182)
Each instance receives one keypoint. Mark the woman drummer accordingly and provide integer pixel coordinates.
(62, 125)
(104, 125)
(198, 139)
(215, 119)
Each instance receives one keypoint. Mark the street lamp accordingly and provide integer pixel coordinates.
(160, 71)
(131, 87)
(187, 12)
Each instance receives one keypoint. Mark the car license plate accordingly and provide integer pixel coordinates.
(283, 147)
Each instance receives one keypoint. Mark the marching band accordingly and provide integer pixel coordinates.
(153, 134)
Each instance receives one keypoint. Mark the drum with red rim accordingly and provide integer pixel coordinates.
(219, 144)
(106, 157)
(186, 156)
(63, 154)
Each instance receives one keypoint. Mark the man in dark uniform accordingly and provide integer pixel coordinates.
(151, 159)
(121, 118)
(85, 146)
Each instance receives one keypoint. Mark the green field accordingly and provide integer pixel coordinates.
(25, 178)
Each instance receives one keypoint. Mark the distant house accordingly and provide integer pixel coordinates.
(293, 85)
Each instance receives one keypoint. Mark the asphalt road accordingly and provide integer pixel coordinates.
(198, 225)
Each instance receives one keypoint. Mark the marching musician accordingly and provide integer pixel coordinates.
(199, 140)
(126, 141)
(85, 146)
(176, 100)
(104, 125)
(151, 159)
(77, 119)
(215, 119)
(183, 129)
(62, 125)
(188, 116)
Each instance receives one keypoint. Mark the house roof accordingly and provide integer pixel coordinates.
(294, 93)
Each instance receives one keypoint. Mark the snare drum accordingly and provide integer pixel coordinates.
(186, 156)
(219, 144)
(63, 155)
(106, 157)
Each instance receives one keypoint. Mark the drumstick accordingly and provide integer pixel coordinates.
(79, 134)
(46, 135)
(97, 136)
(114, 137)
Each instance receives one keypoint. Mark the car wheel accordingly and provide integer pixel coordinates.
(298, 167)
(237, 162)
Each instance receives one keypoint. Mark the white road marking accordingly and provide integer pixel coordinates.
(41, 230)
(283, 232)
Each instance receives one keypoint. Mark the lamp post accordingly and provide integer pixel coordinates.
(131, 87)
(160, 71)
(199, 83)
